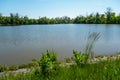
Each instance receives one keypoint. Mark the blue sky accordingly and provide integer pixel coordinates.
(57, 8)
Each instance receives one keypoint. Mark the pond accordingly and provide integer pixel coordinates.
(21, 44)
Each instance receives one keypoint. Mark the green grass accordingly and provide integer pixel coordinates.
(101, 70)
(104, 70)
(14, 67)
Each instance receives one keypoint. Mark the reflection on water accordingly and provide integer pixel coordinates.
(20, 44)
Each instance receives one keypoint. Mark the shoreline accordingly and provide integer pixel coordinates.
(54, 24)
(64, 64)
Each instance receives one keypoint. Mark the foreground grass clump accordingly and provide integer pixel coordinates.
(48, 69)
(47, 65)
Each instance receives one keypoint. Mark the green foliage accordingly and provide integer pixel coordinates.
(102, 70)
(47, 64)
(13, 67)
(108, 17)
(3, 68)
(28, 65)
(99, 56)
(23, 66)
(80, 58)
(67, 60)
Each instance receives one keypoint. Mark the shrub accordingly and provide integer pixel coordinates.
(23, 66)
(80, 58)
(3, 68)
(68, 60)
(48, 64)
(13, 67)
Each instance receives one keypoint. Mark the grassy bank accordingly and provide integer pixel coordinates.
(4, 68)
(48, 68)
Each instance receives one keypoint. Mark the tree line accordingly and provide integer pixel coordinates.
(108, 17)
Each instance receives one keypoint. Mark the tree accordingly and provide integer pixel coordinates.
(25, 20)
(16, 19)
(0, 18)
(11, 18)
(79, 19)
(43, 20)
(113, 18)
(97, 18)
(118, 19)
(102, 19)
(66, 19)
(108, 15)
(90, 19)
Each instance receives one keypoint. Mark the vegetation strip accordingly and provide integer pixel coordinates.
(108, 17)
(49, 68)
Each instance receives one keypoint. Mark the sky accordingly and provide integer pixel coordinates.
(57, 8)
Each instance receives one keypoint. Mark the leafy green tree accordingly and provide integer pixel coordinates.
(0, 18)
(52, 21)
(66, 20)
(43, 20)
(25, 20)
(108, 15)
(90, 19)
(16, 19)
(113, 18)
(102, 19)
(79, 19)
(11, 18)
(97, 18)
(118, 19)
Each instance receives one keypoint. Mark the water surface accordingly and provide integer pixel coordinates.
(20, 44)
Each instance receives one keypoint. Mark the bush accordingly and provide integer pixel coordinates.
(68, 60)
(80, 58)
(48, 64)
(13, 67)
(23, 66)
(3, 68)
